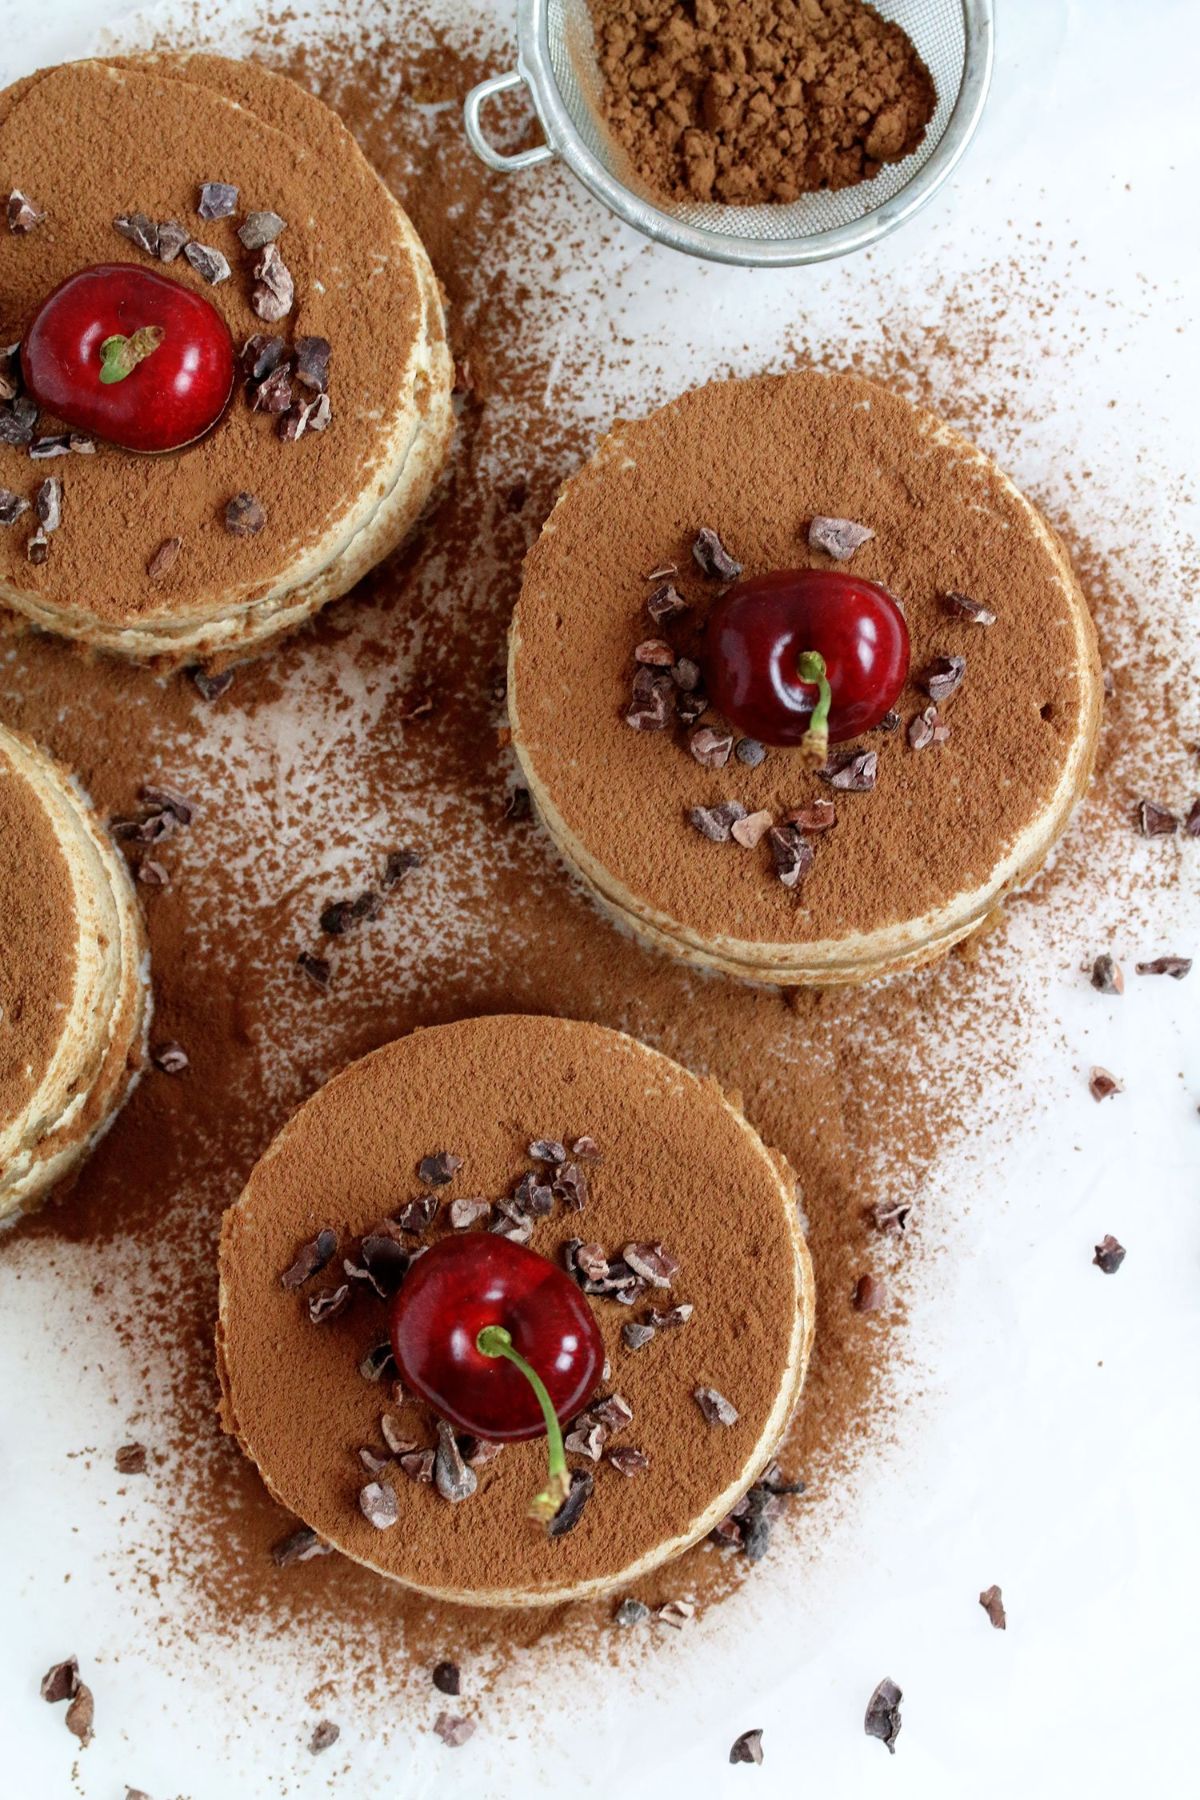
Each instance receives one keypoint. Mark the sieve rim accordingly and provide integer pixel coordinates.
(535, 70)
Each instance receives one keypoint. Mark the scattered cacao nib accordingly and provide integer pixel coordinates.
(211, 687)
(293, 423)
(1109, 1255)
(480, 1451)
(1107, 977)
(686, 675)
(517, 1231)
(372, 1462)
(672, 1318)
(38, 547)
(386, 1262)
(691, 707)
(152, 874)
(48, 503)
(377, 1363)
(330, 1304)
(519, 805)
(312, 362)
(653, 699)
(418, 1465)
(675, 1613)
(447, 1679)
(652, 1263)
(378, 1504)
(772, 1478)
(168, 800)
(452, 1477)
(301, 1545)
(139, 230)
(61, 1681)
(81, 1714)
(963, 607)
(922, 728)
(631, 1612)
(468, 1210)
(666, 602)
(324, 1735)
(318, 415)
(172, 238)
(399, 864)
(571, 1511)
(716, 822)
(820, 815)
(170, 1057)
(790, 854)
(18, 418)
(164, 558)
(337, 917)
(245, 516)
(274, 290)
(453, 1730)
(419, 1214)
(851, 771)
(749, 752)
(1156, 821)
(883, 1714)
(710, 748)
(890, 722)
(438, 1169)
(23, 215)
(315, 967)
(628, 1460)
(591, 1261)
(750, 831)
(655, 653)
(712, 558)
(1174, 966)
(943, 677)
(207, 262)
(531, 1198)
(716, 1408)
(993, 1605)
(273, 394)
(571, 1186)
(888, 1215)
(218, 200)
(587, 1437)
(1191, 825)
(747, 1748)
(614, 1412)
(586, 1150)
(838, 538)
(258, 229)
(10, 372)
(394, 1438)
(55, 444)
(262, 355)
(1102, 1085)
(548, 1150)
(870, 1294)
(635, 1336)
(11, 506)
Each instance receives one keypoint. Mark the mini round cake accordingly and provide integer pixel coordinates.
(74, 994)
(225, 387)
(801, 684)
(612, 1219)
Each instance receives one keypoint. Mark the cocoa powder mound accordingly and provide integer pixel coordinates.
(746, 101)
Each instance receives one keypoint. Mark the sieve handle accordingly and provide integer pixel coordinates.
(472, 120)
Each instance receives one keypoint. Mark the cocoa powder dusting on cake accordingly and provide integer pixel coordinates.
(757, 100)
(311, 766)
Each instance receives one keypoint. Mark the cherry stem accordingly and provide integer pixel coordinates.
(814, 745)
(120, 356)
(495, 1340)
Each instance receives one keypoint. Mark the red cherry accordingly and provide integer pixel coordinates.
(851, 631)
(129, 355)
(463, 1285)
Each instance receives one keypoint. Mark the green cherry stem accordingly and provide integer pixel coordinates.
(814, 745)
(494, 1340)
(120, 356)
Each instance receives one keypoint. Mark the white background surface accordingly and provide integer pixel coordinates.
(1054, 1449)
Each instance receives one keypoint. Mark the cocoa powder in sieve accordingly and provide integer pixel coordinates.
(745, 101)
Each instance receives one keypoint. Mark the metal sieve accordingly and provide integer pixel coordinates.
(556, 62)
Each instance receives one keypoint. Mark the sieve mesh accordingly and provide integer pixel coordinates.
(935, 27)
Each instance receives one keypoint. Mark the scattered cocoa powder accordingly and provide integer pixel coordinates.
(744, 101)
